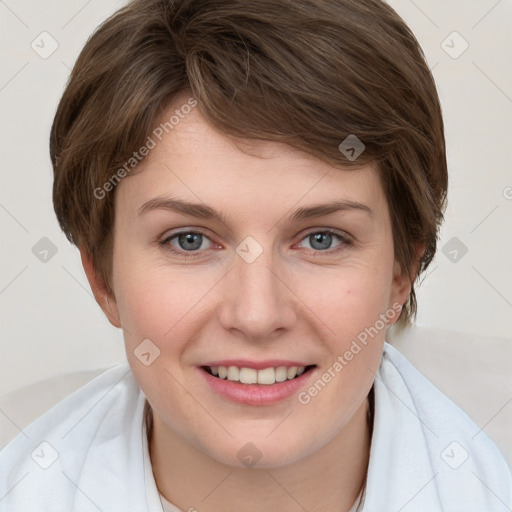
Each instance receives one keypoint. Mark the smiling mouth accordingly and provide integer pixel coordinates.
(267, 376)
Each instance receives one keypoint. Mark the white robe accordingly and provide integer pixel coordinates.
(426, 453)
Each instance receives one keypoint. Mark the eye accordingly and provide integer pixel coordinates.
(321, 241)
(186, 242)
(189, 244)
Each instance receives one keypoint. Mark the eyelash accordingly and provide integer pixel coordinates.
(345, 241)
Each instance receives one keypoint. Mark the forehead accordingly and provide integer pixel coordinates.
(195, 161)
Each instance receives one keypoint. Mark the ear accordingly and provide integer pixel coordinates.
(402, 282)
(104, 298)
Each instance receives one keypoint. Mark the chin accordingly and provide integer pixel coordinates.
(260, 453)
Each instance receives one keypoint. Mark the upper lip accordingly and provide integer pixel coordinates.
(256, 365)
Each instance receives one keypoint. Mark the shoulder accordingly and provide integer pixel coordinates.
(465, 464)
(50, 454)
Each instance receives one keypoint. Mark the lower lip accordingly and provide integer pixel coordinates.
(256, 394)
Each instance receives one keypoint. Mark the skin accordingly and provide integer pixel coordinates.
(289, 303)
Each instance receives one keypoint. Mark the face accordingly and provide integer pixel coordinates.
(256, 277)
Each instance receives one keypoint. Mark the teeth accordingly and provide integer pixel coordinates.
(233, 373)
(281, 374)
(248, 376)
(291, 372)
(268, 376)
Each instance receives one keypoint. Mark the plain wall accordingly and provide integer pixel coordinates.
(52, 325)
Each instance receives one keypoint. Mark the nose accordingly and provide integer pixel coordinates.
(257, 299)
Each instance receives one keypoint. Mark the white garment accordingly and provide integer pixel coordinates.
(92, 445)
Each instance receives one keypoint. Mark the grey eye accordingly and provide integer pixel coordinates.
(321, 240)
(188, 241)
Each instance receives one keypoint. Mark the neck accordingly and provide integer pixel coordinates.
(328, 480)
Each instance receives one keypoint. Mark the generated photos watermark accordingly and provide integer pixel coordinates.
(151, 142)
(344, 359)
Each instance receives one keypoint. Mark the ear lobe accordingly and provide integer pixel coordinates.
(104, 298)
(401, 284)
(402, 281)
(400, 290)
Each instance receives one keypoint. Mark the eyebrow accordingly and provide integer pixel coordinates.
(203, 211)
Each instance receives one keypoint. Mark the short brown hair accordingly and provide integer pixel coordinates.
(305, 72)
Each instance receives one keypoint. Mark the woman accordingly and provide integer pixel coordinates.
(254, 187)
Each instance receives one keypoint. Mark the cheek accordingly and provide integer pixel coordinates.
(352, 309)
(167, 307)
(146, 308)
(354, 337)
(349, 299)
(156, 309)
(153, 299)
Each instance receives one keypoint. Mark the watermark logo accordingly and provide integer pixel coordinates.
(454, 249)
(249, 455)
(44, 250)
(454, 45)
(44, 455)
(351, 147)
(249, 249)
(44, 45)
(455, 455)
(146, 352)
